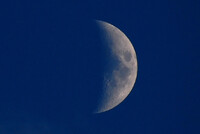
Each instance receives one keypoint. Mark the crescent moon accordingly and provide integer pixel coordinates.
(120, 69)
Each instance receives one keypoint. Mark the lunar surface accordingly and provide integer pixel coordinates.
(120, 68)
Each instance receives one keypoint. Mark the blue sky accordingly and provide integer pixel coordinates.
(42, 65)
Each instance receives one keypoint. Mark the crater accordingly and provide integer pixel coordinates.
(127, 56)
(124, 72)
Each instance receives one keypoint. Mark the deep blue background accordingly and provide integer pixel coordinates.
(39, 41)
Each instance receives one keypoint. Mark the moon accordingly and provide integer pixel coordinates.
(120, 67)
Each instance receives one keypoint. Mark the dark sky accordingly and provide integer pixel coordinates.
(44, 47)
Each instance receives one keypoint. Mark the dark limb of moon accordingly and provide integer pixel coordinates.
(120, 68)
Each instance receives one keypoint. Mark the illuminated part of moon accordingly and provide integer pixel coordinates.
(121, 69)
